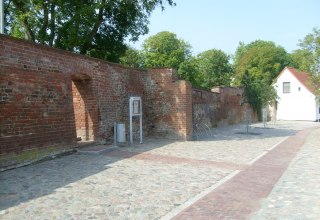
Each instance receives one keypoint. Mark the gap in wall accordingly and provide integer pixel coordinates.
(83, 106)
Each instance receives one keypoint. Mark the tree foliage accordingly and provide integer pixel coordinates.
(132, 58)
(307, 58)
(258, 92)
(188, 70)
(214, 69)
(94, 27)
(263, 59)
(206, 70)
(256, 66)
(165, 50)
(302, 60)
(311, 44)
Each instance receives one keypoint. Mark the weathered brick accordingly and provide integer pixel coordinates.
(220, 106)
(48, 97)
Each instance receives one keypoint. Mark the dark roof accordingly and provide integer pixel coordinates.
(302, 77)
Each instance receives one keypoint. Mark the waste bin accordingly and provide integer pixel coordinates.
(121, 133)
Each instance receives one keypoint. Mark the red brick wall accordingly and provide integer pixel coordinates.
(48, 97)
(84, 106)
(206, 107)
(222, 105)
(114, 87)
(36, 105)
(169, 104)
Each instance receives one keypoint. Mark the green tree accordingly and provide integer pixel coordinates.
(311, 43)
(188, 70)
(263, 59)
(165, 50)
(94, 27)
(302, 60)
(256, 66)
(214, 69)
(132, 58)
(243, 48)
(310, 57)
(258, 92)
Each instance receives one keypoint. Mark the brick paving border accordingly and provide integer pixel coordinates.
(241, 195)
(174, 160)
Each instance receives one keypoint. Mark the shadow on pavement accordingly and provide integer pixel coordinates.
(36, 180)
(31, 182)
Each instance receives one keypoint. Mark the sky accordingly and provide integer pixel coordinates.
(222, 24)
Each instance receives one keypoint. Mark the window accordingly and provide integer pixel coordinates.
(286, 87)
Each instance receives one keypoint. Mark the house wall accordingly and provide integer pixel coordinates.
(49, 97)
(296, 105)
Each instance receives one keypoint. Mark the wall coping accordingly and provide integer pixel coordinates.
(65, 52)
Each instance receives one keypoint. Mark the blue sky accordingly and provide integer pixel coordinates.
(222, 24)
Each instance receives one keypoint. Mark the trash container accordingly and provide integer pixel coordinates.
(121, 133)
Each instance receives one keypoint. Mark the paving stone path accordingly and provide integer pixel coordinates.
(161, 179)
(297, 194)
(241, 195)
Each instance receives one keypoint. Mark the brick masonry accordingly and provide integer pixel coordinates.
(221, 106)
(169, 104)
(49, 97)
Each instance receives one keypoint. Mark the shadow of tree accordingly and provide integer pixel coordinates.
(30, 182)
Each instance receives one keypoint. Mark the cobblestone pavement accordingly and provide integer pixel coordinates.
(157, 179)
(241, 195)
(296, 196)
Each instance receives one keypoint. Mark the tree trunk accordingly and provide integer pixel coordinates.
(43, 31)
(52, 23)
(86, 46)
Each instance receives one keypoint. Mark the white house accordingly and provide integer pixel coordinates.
(297, 99)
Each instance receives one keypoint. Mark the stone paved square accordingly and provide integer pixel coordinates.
(155, 180)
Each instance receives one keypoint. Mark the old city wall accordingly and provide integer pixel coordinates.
(49, 97)
(170, 104)
(221, 106)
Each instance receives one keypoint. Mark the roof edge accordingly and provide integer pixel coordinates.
(291, 69)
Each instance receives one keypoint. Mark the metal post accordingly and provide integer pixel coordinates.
(265, 116)
(135, 110)
(115, 134)
(1, 17)
(141, 122)
(130, 112)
